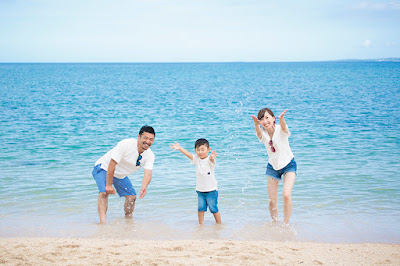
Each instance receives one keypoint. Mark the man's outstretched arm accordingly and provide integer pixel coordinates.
(146, 181)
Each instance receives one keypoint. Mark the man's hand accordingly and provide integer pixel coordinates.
(110, 176)
(143, 192)
(110, 190)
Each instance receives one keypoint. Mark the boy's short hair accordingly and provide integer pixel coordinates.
(147, 129)
(200, 142)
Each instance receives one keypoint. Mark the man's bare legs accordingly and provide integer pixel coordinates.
(102, 205)
(129, 206)
(287, 195)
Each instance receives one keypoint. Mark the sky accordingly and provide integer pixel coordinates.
(198, 31)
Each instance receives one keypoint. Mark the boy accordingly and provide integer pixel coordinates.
(206, 184)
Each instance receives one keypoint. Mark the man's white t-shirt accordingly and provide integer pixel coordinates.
(126, 155)
(205, 178)
(280, 140)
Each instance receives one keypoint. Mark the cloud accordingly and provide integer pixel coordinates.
(391, 44)
(378, 5)
(366, 43)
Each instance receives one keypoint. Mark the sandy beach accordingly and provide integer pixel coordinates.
(85, 251)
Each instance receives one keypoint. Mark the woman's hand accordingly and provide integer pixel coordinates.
(282, 115)
(255, 119)
(282, 121)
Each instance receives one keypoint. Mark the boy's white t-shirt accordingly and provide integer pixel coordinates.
(280, 140)
(126, 155)
(205, 178)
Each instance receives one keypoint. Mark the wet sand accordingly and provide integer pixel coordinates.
(96, 251)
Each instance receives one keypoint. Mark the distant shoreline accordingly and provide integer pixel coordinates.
(390, 59)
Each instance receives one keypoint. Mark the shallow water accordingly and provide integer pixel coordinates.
(58, 119)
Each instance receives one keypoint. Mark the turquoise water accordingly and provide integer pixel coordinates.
(58, 119)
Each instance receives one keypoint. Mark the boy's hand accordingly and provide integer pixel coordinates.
(175, 146)
(178, 147)
(283, 113)
(255, 119)
(213, 155)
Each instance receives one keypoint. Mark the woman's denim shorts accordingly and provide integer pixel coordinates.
(277, 174)
(209, 199)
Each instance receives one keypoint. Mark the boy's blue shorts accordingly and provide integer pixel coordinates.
(277, 174)
(209, 199)
(122, 186)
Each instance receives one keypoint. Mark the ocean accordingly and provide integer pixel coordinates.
(58, 119)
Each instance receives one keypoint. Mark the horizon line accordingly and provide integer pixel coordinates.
(388, 59)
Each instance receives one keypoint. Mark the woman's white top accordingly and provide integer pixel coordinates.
(280, 141)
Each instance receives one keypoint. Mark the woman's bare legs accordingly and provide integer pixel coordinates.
(287, 195)
(273, 185)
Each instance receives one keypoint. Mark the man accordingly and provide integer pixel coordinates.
(114, 167)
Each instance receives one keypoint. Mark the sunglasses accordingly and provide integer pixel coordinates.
(271, 144)
(138, 160)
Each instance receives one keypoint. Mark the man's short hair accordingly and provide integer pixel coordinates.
(147, 129)
(200, 142)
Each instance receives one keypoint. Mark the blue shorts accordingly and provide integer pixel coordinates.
(122, 186)
(209, 199)
(277, 174)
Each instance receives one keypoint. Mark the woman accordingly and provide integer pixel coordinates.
(281, 160)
